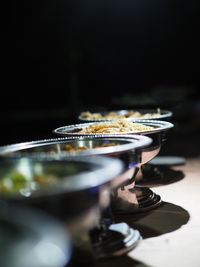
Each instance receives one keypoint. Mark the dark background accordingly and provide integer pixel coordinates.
(63, 57)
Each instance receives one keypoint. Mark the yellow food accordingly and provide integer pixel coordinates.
(71, 148)
(119, 115)
(115, 126)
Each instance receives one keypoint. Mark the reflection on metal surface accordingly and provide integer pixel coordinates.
(74, 130)
(32, 238)
(141, 114)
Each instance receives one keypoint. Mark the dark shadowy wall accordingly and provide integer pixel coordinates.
(60, 57)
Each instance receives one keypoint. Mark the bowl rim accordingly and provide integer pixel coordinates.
(164, 114)
(132, 142)
(158, 124)
(103, 170)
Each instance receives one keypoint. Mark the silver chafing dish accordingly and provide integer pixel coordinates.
(144, 175)
(73, 189)
(74, 130)
(146, 199)
(131, 149)
(119, 238)
(32, 238)
(124, 113)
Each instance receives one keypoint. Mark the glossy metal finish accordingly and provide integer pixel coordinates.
(74, 130)
(131, 198)
(122, 144)
(32, 238)
(125, 147)
(163, 115)
(71, 183)
(134, 198)
(82, 190)
(119, 238)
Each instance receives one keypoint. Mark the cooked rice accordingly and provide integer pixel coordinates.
(119, 115)
(115, 126)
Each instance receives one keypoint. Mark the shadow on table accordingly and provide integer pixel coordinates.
(119, 262)
(164, 219)
(160, 175)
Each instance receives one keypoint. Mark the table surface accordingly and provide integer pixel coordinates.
(171, 232)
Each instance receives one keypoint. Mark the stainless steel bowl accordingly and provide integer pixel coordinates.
(127, 148)
(74, 130)
(56, 183)
(32, 238)
(76, 197)
(148, 153)
(131, 149)
(94, 145)
(163, 115)
(128, 196)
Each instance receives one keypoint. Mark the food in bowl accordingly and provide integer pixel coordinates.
(119, 115)
(71, 148)
(115, 126)
(25, 181)
(18, 183)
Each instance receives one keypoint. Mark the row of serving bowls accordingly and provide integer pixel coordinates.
(81, 198)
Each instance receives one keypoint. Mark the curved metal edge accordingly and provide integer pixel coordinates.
(164, 114)
(161, 126)
(44, 225)
(135, 142)
(104, 169)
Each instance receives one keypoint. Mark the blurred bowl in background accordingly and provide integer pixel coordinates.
(127, 148)
(32, 238)
(73, 189)
(65, 186)
(115, 239)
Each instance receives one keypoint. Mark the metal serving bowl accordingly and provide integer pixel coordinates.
(148, 153)
(31, 238)
(131, 149)
(163, 115)
(146, 198)
(74, 130)
(56, 182)
(127, 148)
(99, 144)
(80, 189)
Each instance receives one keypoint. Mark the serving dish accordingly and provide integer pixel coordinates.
(141, 114)
(125, 147)
(146, 199)
(72, 189)
(118, 238)
(158, 126)
(129, 114)
(133, 150)
(32, 238)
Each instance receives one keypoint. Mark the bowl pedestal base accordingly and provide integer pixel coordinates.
(118, 239)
